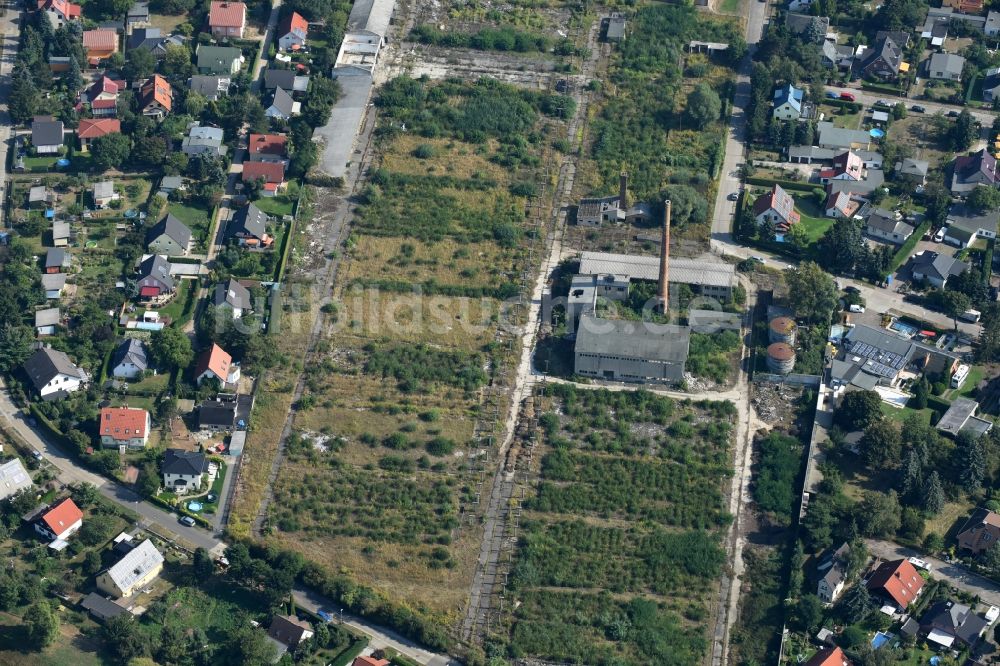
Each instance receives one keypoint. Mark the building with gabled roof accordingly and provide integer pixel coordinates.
(59, 12)
(103, 193)
(183, 470)
(211, 87)
(233, 296)
(848, 165)
(776, 208)
(888, 225)
(980, 532)
(948, 622)
(621, 350)
(137, 16)
(292, 32)
(57, 260)
(831, 574)
(285, 78)
(270, 174)
(52, 374)
(829, 656)
(216, 363)
(13, 478)
(219, 60)
(202, 140)
(966, 224)
(124, 426)
(289, 631)
(94, 128)
(884, 60)
(169, 237)
(154, 277)
(935, 267)
(844, 205)
(968, 171)
(945, 66)
(46, 321)
(268, 148)
(249, 227)
(46, 135)
(898, 582)
(59, 521)
(156, 97)
(129, 360)
(102, 609)
(134, 571)
(53, 284)
(282, 105)
(227, 19)
(100, 44)
(787, 102)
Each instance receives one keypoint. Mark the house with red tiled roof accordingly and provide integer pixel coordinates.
(93, 128)
(898, 582)
(831, 656)
(100, 45)
(271, 173)
(292, 32)
(775, 208)
(370, 661)
(846, 166)
(103, 96)
(842, 204)
(965, 6)
(59, 12)
(156, 97)
(59, 521)
(123, 426)
(227, 19)
(268, 148)
(216, 363)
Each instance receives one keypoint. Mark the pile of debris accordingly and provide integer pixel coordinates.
(772, 402)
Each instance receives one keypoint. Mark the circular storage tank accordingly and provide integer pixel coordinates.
(780, 358)
(782, 329)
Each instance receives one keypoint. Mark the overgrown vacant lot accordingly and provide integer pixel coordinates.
(381, 477)
(621, 541)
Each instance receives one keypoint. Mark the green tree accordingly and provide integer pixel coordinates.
(840, 246)
(983, 198)
(991, 558)
(91, 563)
(911, 477)
(812, 293)
(249, 646)
(147, 483)
(124, 639)
(139, 64)
(110, 151)
(879, 514)
(15, 345)
(933, 543)
(856, 605)
(970, 458)
(177, 62)
(954, 303)
(703, 105)
(171, 348)
(859, 409)
(73, 79)
(24, 100)
(202, 564)
(933, 494)
(963, 132)
(40, 625)
(920, 392)
(195, 103)
(881, 446)
(809, 613)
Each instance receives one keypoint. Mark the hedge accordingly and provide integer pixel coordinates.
(906, 248)
(988, 262)
(350, 653)
(880, 87)
(178, 508)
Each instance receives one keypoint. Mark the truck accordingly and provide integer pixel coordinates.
(847, 97)
(971, 316)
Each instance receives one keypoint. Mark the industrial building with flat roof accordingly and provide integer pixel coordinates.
(630, 351)
(708, 278)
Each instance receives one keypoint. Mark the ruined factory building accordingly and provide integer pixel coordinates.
(708, 278)
(630, 351)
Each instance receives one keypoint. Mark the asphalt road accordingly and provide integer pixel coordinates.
(955, 574)
(867, 98)
(9, 27)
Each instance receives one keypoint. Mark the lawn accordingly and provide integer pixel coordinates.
(968, 387)
(729, 6)
(178, 308)
(812, 220)
(197, 219)
(280, 205)
(154, 384)
(43, 163)
(840, 116)
(210, 507)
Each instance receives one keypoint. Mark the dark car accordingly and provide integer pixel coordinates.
(852, 290)
(186, 520)
(916, 108)
(952, 114)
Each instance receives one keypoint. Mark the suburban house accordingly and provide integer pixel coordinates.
(288, 631)
(13, 478)
(888, 225)
(871, 357)
(129, 359)
(980, 532)
(776, 208)
(282, 105)
(964, 6)
(788, 103)
(829, 656)
(268, 148)
(961, 417)
(183, 470)
(102, 609)
(169, 237)
(292, 32)
(615, 29)
(156, 97)
(803, 24)
(40, 196)
(57, 260)
(59, 521)
(216, 363)
(991, 82)
(233, 296)
(52, 373)
(47, 321)
(992, 26)
(841, 138)
(249, 227)
(935, 267)
(211, 87)
(154, 281)
(53, 284)
(60, 233)
(137, 16)
(978, 168)
(947, 623)
(103, 96)
(124, 426)
(46, 135)
(945, 66)
(99, 44)
(832, 574)
(104, 194)
(883, 60)
(153, 40)
(219, 60)
(897, 581)
(846, 166)
(94, 128)
(271, 175)
(217, 415)
(966, 224)
(934, 31)
(134, 571)
(59, 12)
(169, 185)
(285, 78)
(843, 205)
(913, 171)
(227, 19)
(204, 140)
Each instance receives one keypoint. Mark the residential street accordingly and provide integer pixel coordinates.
(955, 574)
(10, 34)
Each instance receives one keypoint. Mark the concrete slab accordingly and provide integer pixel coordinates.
(340, 132)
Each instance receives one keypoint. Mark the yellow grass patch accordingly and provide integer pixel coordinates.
(452, 158)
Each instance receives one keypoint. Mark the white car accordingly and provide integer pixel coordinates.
(857, 308)
(919, 563)
(939, 236)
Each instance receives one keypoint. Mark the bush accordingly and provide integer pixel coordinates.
(424, 151)
(440, 446)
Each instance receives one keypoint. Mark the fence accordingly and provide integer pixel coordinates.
(797, 379)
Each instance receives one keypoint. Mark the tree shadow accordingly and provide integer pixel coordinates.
(15, 638)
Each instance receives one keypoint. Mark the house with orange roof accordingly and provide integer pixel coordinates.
(965, 6)
(831, 656)
(776, 208)
(216, 363)
(124, 426)
(227, 19)
(94, 128)
(100, 44)
(156, 97)
(59, 521)
(370, 661)
(59, 12)
(103, 96)
(896, 581)
(292, 32)
(271, 173)
(268, 148)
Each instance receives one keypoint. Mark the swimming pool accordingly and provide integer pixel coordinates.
(880, 639)
(194, 506)
(907, 329)
(876, 133)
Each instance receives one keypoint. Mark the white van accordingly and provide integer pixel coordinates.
(971, 315)
(961, 372)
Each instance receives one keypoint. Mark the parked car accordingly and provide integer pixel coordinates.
(850, 289)
(916, 108)
(939, 236)
(854, 307)
(186, 520)
(849, 97)
(734, 196)
(952, 114)
(884, 102)
(831, 94)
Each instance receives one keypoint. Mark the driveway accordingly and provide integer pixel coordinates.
(956, 575)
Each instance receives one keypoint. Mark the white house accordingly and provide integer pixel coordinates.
(788, 103)
(129, 360)
(59, 521)
(292, 32)
(52, 373)
(183, 470)
(134, 571)
(123, 426)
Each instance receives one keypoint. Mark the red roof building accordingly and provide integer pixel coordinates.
(898, 581)
(776, 207)
(268, 147)
(59, 11)
(273, 174)
(156, 97)
(831, 656)
(60, 520)
(216, 363)
(124, 426)
(227, 19)
(370, 661)
(93, 128)
(99, 44)
(292, 32)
